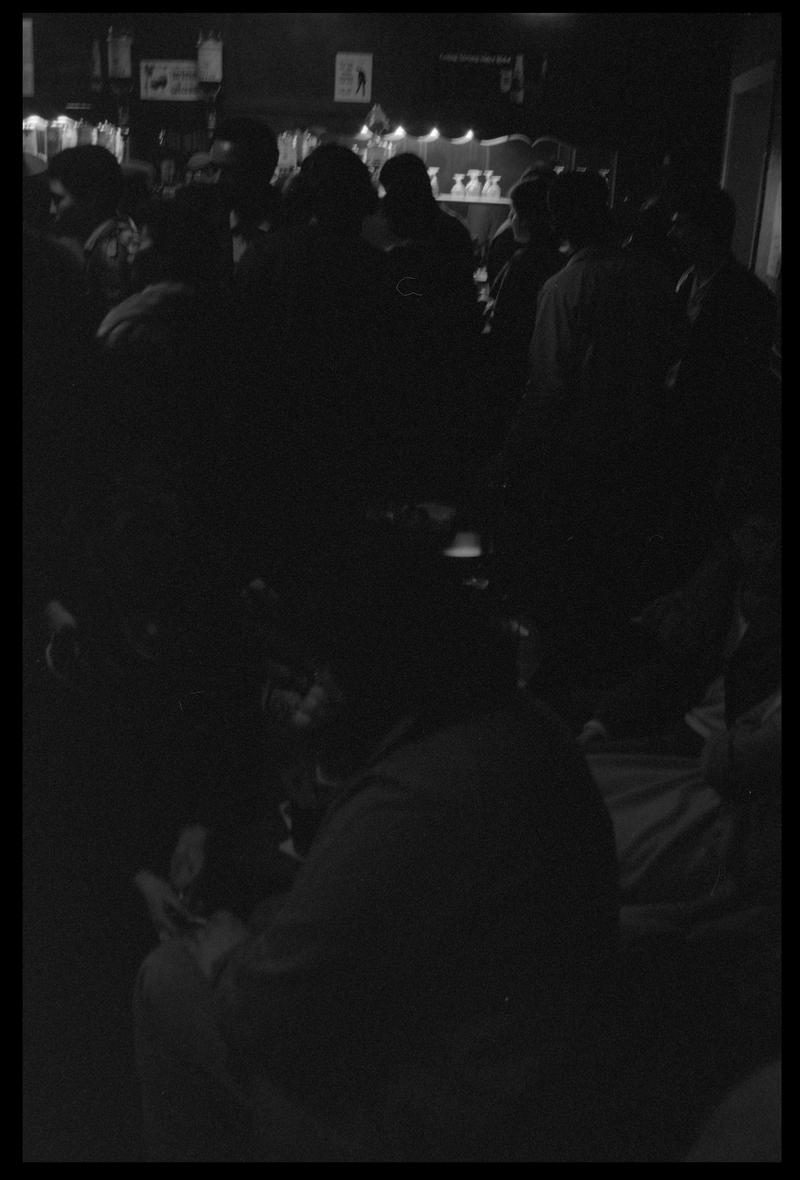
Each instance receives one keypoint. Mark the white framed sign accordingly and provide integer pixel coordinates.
(169, 81)
(353, 77)
(27, 57)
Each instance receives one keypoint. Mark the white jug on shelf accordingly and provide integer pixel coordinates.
(434, 181)
(473, 188)
(458, 185)
(492, 186)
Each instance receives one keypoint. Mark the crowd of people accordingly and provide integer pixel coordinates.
(253, 417)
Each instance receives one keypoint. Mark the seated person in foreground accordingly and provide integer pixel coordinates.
(687, 750)
(426, 987)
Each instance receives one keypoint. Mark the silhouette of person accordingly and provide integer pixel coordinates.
(432, 976)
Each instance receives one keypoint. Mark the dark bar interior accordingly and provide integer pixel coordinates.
(402, 501)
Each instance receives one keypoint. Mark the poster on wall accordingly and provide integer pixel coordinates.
(353, 77)
(169, 81)
(27, 58)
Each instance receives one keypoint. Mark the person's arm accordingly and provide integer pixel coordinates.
(653, 684)
(509, 309)
(651, 699)
(674, 650)
(174, 903)
(746, 759)
(550, 347)
(553, 340)
(170, 915)
(308, 1002)
(501, 247)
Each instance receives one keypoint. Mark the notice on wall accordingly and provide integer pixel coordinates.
(353, 77)
(482, 77)
(169, 81)
(27, 58)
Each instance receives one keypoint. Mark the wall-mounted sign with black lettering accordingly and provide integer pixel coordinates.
(481, 77)
(169, 81)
